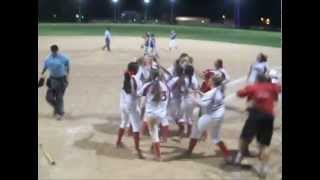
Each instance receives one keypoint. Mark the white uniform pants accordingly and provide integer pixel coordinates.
(211, 122)
(187, 108)
(172, 43)
(130, 116)
(174, 111)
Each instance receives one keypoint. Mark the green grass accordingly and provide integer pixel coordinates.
(263, 38)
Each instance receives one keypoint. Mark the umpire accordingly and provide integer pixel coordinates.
(59, 68)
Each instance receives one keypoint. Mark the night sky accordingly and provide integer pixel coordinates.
(251, 10)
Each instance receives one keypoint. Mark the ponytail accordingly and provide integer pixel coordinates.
(127, 83)
(156, 91)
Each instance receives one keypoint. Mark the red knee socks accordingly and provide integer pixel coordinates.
(192, 144)
(223, 148)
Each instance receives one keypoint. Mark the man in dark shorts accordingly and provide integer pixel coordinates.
(259, 124)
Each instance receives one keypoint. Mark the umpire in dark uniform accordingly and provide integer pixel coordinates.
(58, 66)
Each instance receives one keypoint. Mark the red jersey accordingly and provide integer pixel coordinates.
(262, 94)
(205, 87)
(207, 74)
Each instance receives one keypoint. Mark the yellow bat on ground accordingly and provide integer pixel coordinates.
(47, 155)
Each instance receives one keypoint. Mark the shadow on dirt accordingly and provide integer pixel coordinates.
(73, 117)
(105, 149)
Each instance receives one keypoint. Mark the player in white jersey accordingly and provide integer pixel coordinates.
(218, 64)
(260, 67)
(147, 43)
(176, 84)
(107, 38)
(212, 118)
(187, 105)
(173, 41)
(157, 94)
(129, 106)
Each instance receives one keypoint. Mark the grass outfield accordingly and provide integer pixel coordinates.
(263, 38)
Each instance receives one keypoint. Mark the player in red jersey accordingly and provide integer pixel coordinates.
(260, 121)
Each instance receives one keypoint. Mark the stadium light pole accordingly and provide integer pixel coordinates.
(115, 10)
(79, 10)
(171, 13)
(237, 13)
(146, 2)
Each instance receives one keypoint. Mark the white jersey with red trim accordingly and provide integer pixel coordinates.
(155, 109)
(131, 100)
(212, 101)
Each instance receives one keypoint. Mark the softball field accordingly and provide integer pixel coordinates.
(82, 144)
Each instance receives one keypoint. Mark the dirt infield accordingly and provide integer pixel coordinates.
(83, 143)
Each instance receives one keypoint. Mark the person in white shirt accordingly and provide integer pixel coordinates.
(187, 105)
(173, 42)
(212, 118)
(260, 67)
(129, 106)
(107, 38)
(218, 64)
(157, 96)
(176, 85)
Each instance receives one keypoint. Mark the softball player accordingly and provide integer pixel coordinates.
(153, 46)
(129, 106)
(213, 103)
(176, 85)
(173, 42)
(107, 38)
(226, 78)
(156, 93)
(146, 63)
(260, 67)
(187, 105)
(147, 43)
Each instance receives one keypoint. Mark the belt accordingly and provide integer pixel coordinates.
(57, 78)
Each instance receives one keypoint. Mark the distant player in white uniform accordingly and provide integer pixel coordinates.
(107, 38)
(260, 67)
(156, 93)
(147, 43)
(212, 118)
(173, 41)
(129, 106)
(153, 45)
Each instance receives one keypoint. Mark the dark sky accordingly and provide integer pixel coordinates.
(251, 10)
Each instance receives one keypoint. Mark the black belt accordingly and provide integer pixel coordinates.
(57, 78)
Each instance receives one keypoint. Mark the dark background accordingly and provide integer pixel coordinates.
(250, 10)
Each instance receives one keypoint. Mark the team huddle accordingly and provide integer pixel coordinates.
(154, 97)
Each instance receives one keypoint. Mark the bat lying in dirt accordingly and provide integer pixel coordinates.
(47, 155)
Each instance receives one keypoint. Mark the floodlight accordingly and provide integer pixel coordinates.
(146, 1)
(114, 1)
